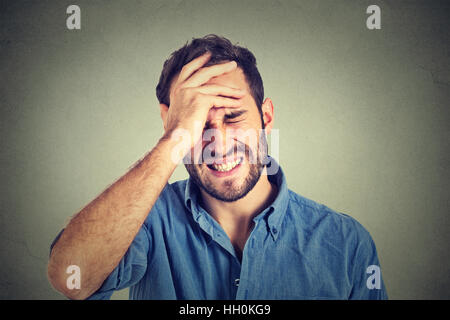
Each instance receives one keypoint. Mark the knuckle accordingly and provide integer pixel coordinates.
(184, 68)
(180, 91)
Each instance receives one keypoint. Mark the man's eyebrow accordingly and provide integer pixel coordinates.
(234, 114)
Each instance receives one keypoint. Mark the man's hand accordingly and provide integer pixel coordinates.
(191, 98)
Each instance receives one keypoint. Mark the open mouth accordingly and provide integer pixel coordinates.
(225, 167)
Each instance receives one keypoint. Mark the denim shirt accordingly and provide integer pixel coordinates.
(298, 249)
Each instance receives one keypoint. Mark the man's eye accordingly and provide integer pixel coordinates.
(232, 121)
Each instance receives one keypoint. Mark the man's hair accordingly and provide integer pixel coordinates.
(221, 50)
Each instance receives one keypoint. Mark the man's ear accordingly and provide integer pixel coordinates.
(164, 109)
(267, 113)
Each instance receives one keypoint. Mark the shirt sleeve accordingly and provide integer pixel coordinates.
(130, 269)
(368, 282)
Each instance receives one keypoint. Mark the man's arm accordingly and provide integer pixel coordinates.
(97, 238)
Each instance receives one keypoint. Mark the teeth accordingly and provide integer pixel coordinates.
(226, 167)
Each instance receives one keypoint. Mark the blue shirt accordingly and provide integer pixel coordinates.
(298, 249)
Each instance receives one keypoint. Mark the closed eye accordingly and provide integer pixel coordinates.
(233, 121)
(233, 115)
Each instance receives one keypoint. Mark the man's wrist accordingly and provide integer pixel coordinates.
(174, 146)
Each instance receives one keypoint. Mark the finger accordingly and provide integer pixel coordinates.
(217, 90)
(203, 75)
(189, 68)
(222, 102)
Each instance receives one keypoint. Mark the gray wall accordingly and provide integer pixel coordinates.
(363, 117)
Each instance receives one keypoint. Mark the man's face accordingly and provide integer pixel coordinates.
(233, 146)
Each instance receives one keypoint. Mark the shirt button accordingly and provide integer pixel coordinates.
(236, 282)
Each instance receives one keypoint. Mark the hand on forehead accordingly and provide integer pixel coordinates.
(234, 79)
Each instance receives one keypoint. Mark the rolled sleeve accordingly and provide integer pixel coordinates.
(130, 269)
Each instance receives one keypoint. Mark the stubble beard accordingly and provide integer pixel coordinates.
(228, 191)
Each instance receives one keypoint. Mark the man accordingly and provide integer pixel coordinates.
(233, 230)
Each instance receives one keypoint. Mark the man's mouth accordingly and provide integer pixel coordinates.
(225, 167)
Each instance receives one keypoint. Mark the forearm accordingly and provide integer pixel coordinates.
(100, 234)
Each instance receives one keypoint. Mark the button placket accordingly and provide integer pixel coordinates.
(249, 261)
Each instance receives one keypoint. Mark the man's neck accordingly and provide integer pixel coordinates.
(236, 218)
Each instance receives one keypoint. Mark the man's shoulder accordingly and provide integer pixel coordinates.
(314, 216)
(344, 247)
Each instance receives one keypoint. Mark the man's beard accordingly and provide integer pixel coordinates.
(229, 192)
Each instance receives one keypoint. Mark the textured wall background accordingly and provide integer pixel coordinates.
(363, 117)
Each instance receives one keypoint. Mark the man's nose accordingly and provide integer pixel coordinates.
(217, 141)
(215, 134)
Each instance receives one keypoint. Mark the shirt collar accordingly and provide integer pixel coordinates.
(273, 215)
(191, 194)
